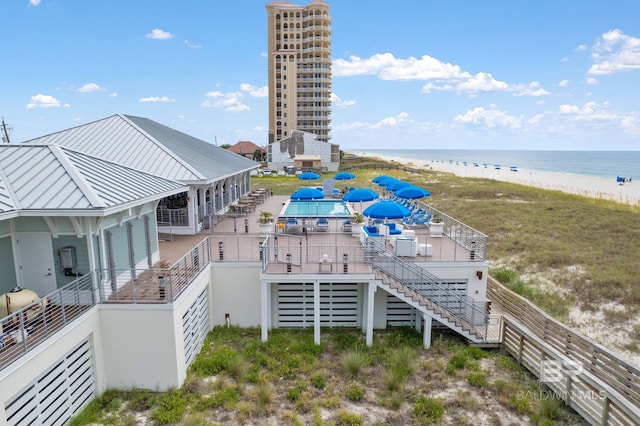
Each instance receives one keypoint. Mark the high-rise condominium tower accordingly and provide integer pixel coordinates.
(299, 48)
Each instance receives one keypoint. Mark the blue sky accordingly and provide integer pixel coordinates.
(543, 74)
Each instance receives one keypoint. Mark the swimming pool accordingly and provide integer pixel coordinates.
(316, 208)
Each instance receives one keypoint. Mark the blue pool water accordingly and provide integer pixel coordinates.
(316, 208)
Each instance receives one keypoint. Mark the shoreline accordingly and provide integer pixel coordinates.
(587, 186)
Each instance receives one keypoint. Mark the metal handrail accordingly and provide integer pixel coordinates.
(23, 330)
(428, 285)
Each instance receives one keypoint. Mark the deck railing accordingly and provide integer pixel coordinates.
(433, 288)
(24, 329)
(464, 235)
(532, 337)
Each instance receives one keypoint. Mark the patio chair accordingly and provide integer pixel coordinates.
(322, 224)
(424, 220)
(346, 226)
(292, 226)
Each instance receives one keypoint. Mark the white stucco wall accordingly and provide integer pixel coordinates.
(15, 377)
(144, 345)
(477, 288)
(236, 291)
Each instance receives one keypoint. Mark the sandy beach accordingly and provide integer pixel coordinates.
(588, 186)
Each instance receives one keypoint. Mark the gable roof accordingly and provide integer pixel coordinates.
(52, 180)
(151, 147)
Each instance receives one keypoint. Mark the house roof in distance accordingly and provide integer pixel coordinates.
(244, 147)
(151, 147)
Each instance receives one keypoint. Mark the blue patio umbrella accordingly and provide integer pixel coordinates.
(412, 192)
(379, 178)
(309, 176)
(398, 185)
(386, 210)
(344, 176)
(386, 181)
(307, 194)
(360, 194)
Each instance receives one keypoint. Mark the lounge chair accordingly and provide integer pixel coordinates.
(292, 226)
(322, 224)
(347, 226)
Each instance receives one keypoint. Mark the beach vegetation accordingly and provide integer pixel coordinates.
(397, 382)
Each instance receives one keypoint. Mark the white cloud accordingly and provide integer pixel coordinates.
(591, 81)
(388, 67)
(191, 45)
(582, 48)
(532, 89)
(440, 76)
(90, 87)
(615, 52)
(256, 92)
(563, 83)
(43, 101)
(34, 2)
(489, 118)
(155, 99)
(114, 95)
(339, 103)
(229, 101)
(158, 34)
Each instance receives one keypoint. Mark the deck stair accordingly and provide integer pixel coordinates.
(430, 295)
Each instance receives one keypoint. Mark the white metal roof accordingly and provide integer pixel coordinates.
(146, 145)
(53, 180)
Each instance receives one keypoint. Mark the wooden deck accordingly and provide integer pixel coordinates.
(443, 249)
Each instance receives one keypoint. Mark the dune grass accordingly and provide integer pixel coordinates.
(295, 381)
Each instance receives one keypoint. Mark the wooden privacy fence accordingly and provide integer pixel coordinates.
(593, 380)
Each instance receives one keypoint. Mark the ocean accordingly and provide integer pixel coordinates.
(604, 164)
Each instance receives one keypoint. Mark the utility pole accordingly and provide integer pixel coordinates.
(5, 132)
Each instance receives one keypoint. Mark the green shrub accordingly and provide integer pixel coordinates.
(427, 410)
(319, 381)
(458, 361)
(355, 392)
(171, 409)
(294, 393)
(209, 364)
(477, 378)
(346, 418)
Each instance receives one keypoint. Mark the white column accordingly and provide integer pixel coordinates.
(316, 312)
(365, 303)
(370, 304)
(264, 309)
(418, 315)
(426, 339)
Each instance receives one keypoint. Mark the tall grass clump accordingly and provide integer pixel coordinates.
(354, 363)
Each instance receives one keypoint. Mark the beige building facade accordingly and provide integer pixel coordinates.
(299, 75)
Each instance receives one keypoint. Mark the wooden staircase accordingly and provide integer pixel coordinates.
(476, 334)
